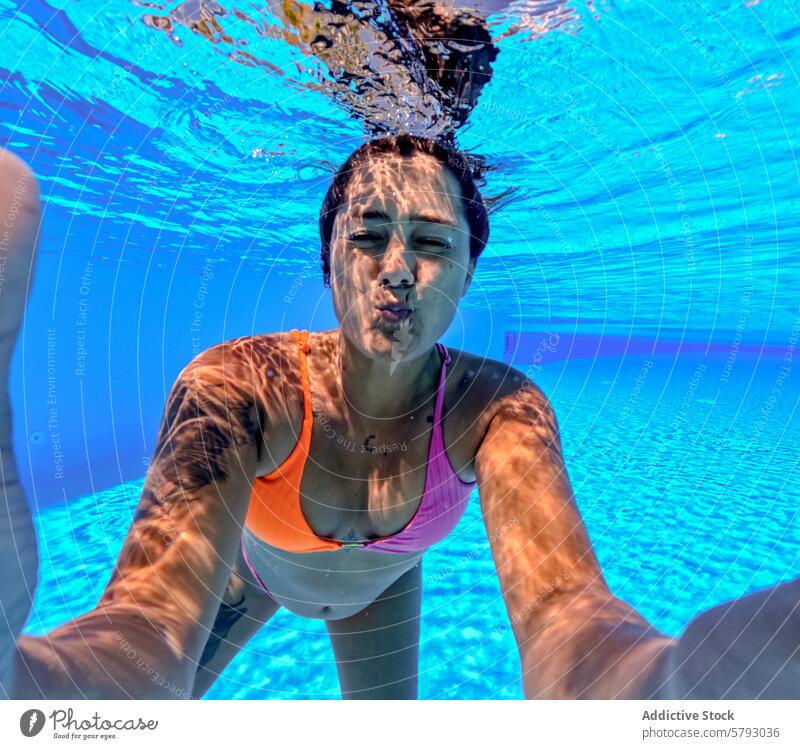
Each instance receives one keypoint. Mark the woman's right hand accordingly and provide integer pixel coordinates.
(20, 216)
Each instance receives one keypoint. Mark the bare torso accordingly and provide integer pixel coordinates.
(364, 477)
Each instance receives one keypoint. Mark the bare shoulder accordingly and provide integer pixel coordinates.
(260, 372)
(246, 354)
(491, 390)
(262, 369)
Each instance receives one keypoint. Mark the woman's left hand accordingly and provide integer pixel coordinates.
(745, 649)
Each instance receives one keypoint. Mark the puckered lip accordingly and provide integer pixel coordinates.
(396, 307)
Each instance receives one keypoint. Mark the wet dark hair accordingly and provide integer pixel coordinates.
(466, 168)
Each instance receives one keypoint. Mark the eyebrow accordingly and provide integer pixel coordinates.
(424, 218)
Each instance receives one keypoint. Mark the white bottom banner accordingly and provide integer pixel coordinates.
(400, 725)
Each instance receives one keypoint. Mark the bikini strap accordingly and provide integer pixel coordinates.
(444, 354)
(301, 337)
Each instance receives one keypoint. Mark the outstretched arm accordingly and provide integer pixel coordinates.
(576, 639)
(145, 637)
(148, 631)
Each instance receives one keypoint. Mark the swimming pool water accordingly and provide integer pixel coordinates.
(652, 149)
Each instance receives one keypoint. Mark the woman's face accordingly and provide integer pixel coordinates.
(400, 259)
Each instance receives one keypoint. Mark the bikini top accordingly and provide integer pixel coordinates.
(276, 517)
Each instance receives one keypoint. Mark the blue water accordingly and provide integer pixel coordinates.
(654, 157)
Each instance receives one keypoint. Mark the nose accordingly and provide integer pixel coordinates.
(396, 270)
(402, 278)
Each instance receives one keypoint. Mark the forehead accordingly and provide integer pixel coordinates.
(408, 183)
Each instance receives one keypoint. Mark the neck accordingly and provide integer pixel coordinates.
(383, 388)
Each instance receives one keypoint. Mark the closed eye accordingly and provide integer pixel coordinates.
(434, 242)
(364, 237)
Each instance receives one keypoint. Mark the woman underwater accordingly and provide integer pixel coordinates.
(275, 482)
(249, 505)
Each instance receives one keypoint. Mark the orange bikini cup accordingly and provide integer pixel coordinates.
(275, 514)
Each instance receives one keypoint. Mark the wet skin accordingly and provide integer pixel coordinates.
(179, 596)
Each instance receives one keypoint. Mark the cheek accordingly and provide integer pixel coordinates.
(444, 279)
(352, 276)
